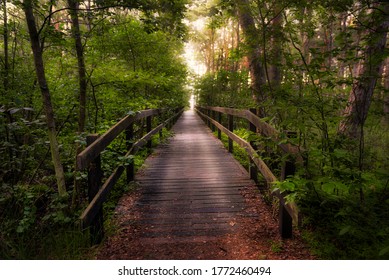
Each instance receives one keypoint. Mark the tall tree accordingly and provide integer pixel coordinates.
(6, 53)
(276, 48)
(359, 101)
(45, 92)
(82, 81)
(385, 117)
(257, 71)
(73, 10)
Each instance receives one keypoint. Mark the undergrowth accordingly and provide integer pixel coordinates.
(345, 209)
(37, 224)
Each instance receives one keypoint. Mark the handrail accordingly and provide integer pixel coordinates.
(90, 158)
(263, 128)
(288, 211)
(92, 151)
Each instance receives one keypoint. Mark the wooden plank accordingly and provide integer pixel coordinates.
(262, 167)
(146, 138)
(92, 151)
(130, 169)
(229, 111)
(100, 197)
(271, 132)
(191, 187)
(253, 170)
(95, 205)
(94, 182)
(263, 127)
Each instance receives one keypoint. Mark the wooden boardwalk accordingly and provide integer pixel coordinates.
(195, 201)
(190, 189)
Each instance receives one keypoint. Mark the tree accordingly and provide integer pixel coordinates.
(76, 33)
(6, 53)
(385, 118)
(45, 92)
(257, 70)
(359, 101)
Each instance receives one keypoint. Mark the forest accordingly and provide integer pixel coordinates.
(318, 69)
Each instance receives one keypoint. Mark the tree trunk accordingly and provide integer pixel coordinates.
(276, 50)
(385, 117)
(73, 11)
(305, 39)
(356, 111)
(40, 72)
(257, 71)
(73, 6)
(6, 53)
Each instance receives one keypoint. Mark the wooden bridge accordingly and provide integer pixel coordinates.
(191, 187)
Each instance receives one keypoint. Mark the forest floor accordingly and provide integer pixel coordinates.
(256, 239)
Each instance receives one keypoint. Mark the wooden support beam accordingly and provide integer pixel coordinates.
(94, 183)
(99, 196)
(285, 219)
(213, 116)
(253, 170)
(288, 211)
(149, 121)
(219, 120)
(130, 169)
(94, 150)
(263, 128)
(230, 128)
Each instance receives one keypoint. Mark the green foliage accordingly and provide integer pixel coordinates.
(340, 228)
(225, 88)
(342, 187)
(36, 222)
(345, 209)
(132, 63)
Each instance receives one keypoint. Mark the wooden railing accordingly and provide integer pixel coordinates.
(288, 212)
(90, 159)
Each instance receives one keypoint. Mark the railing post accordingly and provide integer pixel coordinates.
(171, 122)
(176, 117)
(94, 184)
(289, 166)
(253, 169)
(285, 220)
(230, 128)
(213, 116)
(148, 129)
(219, 120)
(209, 115)
(129, 139)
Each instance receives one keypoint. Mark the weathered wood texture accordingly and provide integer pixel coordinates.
(288, 211)
(94, 150)
(99, 194)
(263, 128)
(191, 186)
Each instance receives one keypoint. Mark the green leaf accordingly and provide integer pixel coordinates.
(20, 229)
(384, 251)
(345, 230)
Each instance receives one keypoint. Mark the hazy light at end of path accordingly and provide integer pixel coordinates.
(192, 102)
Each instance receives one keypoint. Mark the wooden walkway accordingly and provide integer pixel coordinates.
(195, 201)
(191, 187)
